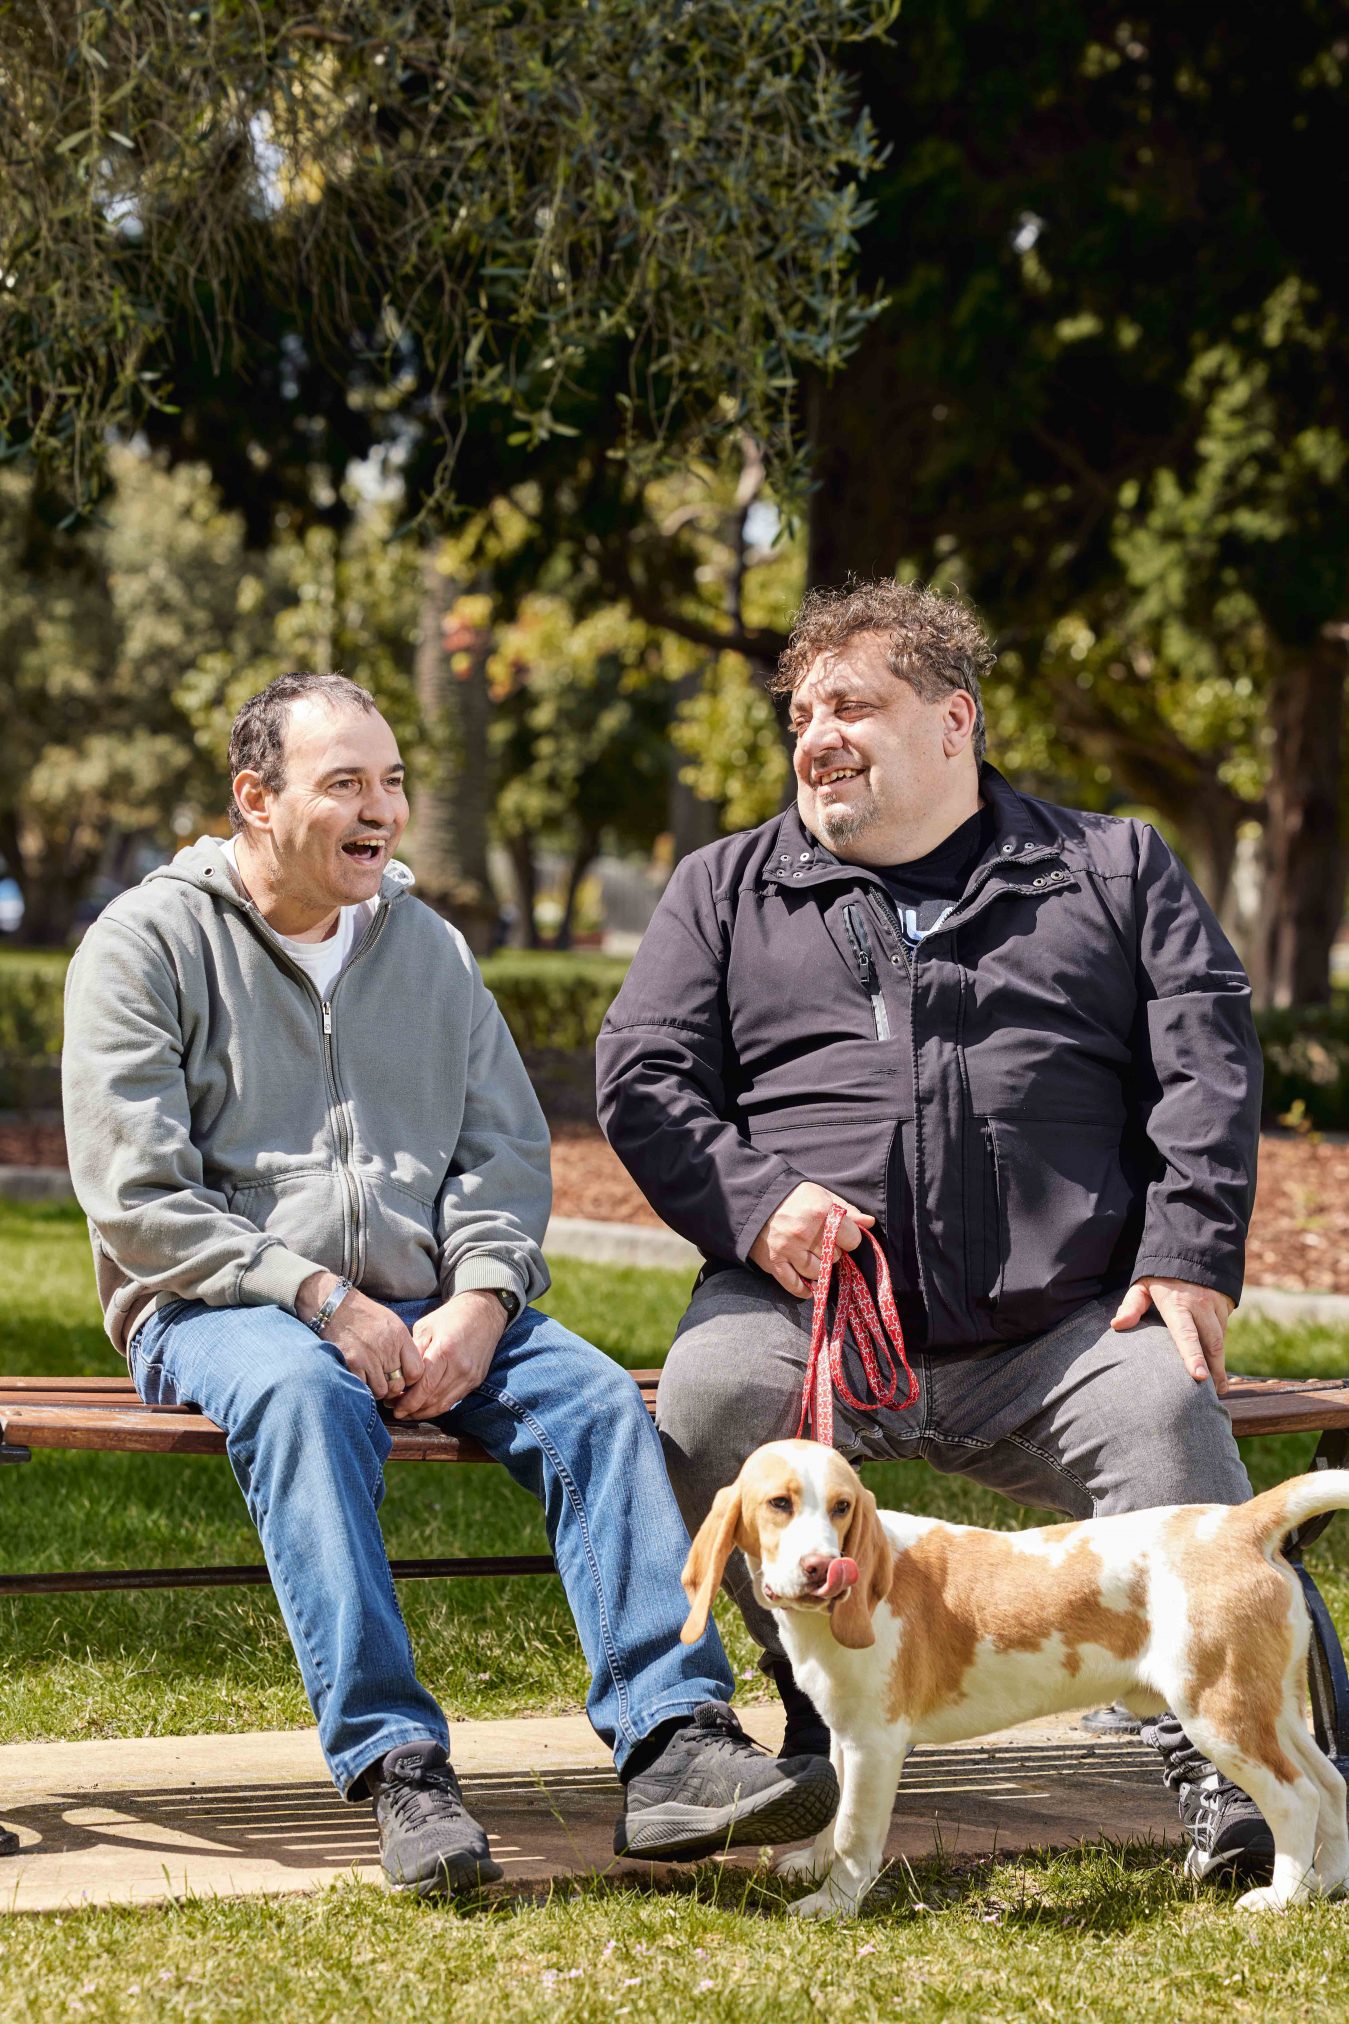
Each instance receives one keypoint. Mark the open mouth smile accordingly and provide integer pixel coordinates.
(836, 775)
(364, 849)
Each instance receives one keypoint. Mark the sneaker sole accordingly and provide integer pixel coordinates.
(675, 1833)
(450, 1878)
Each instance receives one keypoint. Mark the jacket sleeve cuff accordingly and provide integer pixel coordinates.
(274, 1278)
(487, 1273)
(770, 1197)
(1221, 1275)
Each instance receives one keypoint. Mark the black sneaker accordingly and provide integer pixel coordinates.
(429, 1843)
(711, 1788)
(1116, 1720)
(806, 1733)
(1228, 1834)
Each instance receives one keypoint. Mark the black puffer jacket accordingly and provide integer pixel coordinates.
(1056, 1093)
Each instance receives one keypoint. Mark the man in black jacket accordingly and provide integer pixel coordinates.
(1009, 1036)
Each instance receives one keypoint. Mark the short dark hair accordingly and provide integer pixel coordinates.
(932, 639)
(258, 734)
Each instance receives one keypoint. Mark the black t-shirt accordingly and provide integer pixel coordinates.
(926, 888)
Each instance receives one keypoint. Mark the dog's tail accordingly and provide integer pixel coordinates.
(1275, 1513)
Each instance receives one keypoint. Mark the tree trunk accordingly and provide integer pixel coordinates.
(526, 872)
(865, 427)
(587, 850)
(693, 821)
(454, 803)
(1304, 850)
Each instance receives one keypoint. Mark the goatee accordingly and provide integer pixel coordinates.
(845, 825)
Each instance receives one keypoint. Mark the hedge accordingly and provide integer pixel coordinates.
(558, 1001)
(547, 1001)
(553, 1001)
(1307, 1066)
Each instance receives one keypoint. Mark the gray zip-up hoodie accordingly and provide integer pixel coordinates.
(230, 1134)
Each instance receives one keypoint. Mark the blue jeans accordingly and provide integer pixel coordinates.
(308, 1447)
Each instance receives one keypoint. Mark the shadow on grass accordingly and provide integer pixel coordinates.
(1102, 1888)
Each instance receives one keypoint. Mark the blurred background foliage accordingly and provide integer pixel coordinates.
(527, 367)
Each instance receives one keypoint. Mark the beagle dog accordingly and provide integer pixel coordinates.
(906, 1630)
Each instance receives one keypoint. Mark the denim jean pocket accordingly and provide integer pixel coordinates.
(144, 1354)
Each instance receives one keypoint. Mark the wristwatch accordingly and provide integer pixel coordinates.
(509, 1299)
(319, 1321)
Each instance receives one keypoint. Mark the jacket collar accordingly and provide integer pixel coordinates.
(797, 858)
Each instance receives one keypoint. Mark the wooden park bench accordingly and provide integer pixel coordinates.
(104, 1415)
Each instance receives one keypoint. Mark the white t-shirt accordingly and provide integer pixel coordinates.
(323, 962)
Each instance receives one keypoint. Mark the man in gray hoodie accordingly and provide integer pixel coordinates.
(317, 1182)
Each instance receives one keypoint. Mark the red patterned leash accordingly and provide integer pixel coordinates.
(856, 1310)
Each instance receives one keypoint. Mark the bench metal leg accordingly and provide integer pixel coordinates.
(9, 1843)
(1327, 1673)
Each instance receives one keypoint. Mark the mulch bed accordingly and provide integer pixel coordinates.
(1299, 1236)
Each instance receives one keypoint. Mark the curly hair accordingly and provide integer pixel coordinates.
(932, 640)
(258, 734)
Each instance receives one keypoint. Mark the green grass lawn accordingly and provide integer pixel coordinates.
(1107, 1933)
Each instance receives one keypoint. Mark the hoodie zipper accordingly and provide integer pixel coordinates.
(352, 1219)
(353, 1249)
(353, 1261)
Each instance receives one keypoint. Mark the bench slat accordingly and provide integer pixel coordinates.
(105, 1414)
(180, 1431)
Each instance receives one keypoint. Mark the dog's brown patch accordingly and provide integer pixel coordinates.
(952, 1592)
(1241, 1642)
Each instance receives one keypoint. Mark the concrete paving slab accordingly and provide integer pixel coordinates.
(149, 1819)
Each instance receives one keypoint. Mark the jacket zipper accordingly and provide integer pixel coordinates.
(867, 969)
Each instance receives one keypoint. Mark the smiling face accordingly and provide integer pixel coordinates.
(324, 838)
(882, 777)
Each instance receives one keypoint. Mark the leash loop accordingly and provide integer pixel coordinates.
(879, 1339)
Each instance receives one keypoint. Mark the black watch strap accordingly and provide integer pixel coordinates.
(509, 1299)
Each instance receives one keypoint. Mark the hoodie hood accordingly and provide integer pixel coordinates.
(204, 865)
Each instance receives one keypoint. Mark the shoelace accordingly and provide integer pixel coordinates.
(878, 1336)
(727, 1734)
(408, 1796)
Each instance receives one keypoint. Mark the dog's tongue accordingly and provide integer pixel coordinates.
(842, 1574)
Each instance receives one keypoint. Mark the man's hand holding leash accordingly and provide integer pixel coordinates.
(788, 1246)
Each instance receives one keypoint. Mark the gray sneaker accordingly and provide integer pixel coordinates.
(712, 1788)
(1228, 1834)
(429, 1843)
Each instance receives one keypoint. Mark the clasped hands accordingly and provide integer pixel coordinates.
(788, 1249)
(427, 1368)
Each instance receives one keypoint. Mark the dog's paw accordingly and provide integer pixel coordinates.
(1266, 1899)
(802, 1863)
(822, 1904)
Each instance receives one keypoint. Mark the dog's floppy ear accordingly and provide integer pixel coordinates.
(866, 1543)
(711, 1549)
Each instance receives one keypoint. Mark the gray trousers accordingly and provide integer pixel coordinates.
(1080, 1421)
